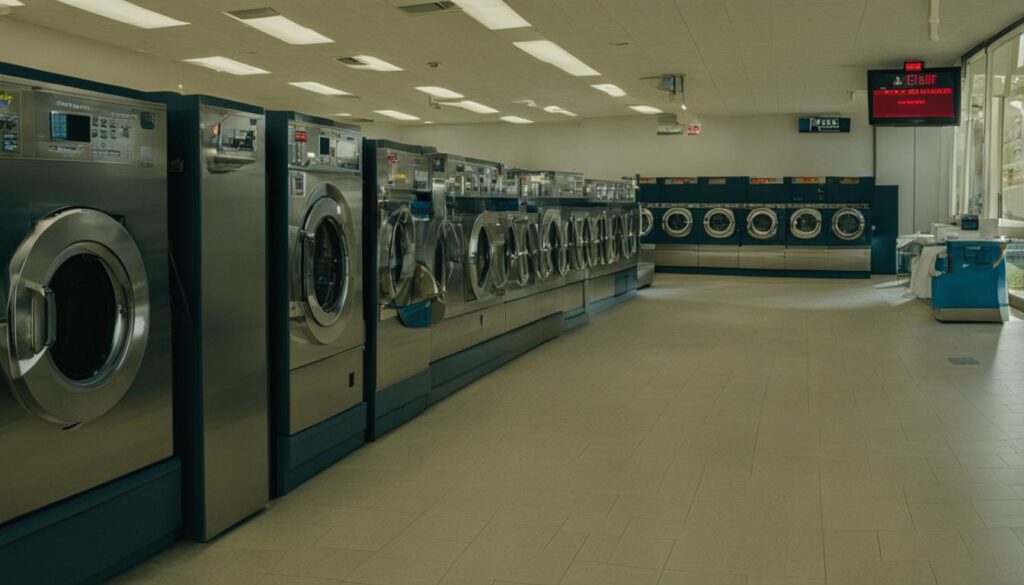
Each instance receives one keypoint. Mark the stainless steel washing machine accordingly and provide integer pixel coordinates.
(85, 325)
(317, 331)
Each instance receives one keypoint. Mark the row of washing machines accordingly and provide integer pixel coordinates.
(798, 225)
(203, 304)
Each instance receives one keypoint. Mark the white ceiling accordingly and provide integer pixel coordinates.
(740, 57)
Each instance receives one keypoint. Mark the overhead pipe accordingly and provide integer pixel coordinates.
(933, 21)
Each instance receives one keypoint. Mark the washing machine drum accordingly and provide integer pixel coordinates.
(574, 235)
(324, 267)
(516, 264)
(805, 224)
(763, 223)
(677, 222)
(78, 317)
(720, 223)
(646, 222)
(486, 270)
(397, 260)
(848, 224)
(555, 243)
(447, 255)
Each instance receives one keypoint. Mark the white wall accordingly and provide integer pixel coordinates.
(917, 160)
(616, 147)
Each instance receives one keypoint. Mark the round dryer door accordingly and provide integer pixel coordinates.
(447, 255)
(78, 316)
(677, 222)
(540, 251)
(632, 238)
(604, 236)
(720, 223)
(763, 223)
(577, 246)
(397, 261)
(805, 224)
(646, 222)
(516, 265)
(481, 255)
(553, 241)
(848, 224)
(618, 238)
(593, 244)
(325, 273)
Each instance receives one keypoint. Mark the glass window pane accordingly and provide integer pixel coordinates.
(976, 136)
(1008, 147)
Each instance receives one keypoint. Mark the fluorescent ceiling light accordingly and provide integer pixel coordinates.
(343, 115)
(494, 14)
(225, 65)
(1020, 51)
(474, 107)
(397, 115)
(125, 12)
(10, 3)
(558, 110)
(552, 54)
(440, 92)
(268, 21)
(317, 88)
(610, 89)
(646, 109)
(428, 122)
(683, 106)
(369, 63)
(516, 120)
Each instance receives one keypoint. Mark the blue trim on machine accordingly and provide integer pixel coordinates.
(399, 403)
(305, 454)
(97, 534)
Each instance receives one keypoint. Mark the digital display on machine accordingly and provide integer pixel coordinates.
(914, 96)
(70, 127)
(325, 146)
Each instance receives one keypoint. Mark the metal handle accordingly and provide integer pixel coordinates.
(307, 240)
(49, 323)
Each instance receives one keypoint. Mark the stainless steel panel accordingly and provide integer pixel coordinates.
(806, 258)
(401, 351)
(677, 255)
(849, 259)
(719, 256)
(42, 462)
(648, 253)
(233, 320)
(763, 257)
(526, 311)
(459, 333)
(325, 388)
(645, 274)
(573, 297)
(600, 288)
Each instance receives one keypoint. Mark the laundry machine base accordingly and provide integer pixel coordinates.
(807, 258)
(464, 331)
(611, 286)
(677, 255)
(849, 259)
(323, 389)
(645, 274)
(96, 534)
(457, 371)
(762, 257)
(399, 403)
(524, 311)
(299, 457)
(714, 256)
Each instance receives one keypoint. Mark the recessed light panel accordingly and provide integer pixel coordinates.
(125, 12)
(646, 109)
(610, 89)
(268, 21)
(342, 115)
(225, 65)
(319, 88)
(558, 110)
(474, 107)
(494, 14)
(516, 120)
(10, 3)
(369, 63)
(397, 115)
(552, 54)
(440, 92)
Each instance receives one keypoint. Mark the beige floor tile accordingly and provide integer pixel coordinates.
(849, 572)
(691, 578)
(498, 534)
(544, 566)
(424, 549)
(769, 552)
(454, 528)
(386, 570)
(922, 545)
(954, 516)
(978, 573)
(852, 545)
(865, 513)
(322, 562)
(597, 523)
(293, 580)
(591, 573)
(993, 544)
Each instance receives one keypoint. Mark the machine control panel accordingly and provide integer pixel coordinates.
(324, 148)
(468, 178)
(403, 171)
(10, 121)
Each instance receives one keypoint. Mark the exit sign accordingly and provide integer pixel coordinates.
(825, 125)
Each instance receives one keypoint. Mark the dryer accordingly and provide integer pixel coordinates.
(763, 241)
(315, 292)
(676, 219)
(85, 330)
(850, 233)
(807, 221)
(647, 193)
(724, 200)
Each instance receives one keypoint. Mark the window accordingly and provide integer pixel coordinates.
(1007, 91)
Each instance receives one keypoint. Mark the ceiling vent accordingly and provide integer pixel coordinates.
(427, 7)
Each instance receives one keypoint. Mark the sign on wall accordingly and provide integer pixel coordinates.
(824, 125)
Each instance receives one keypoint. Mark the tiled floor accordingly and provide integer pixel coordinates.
(713, 431)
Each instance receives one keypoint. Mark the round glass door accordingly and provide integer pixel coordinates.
(720, 223)
(646, 222)
(540, 251)
(604, 236)
(556, 249)
(397, 261)
(326, 262)
(677, 222)
(593, 244)
(447, 254)
(848, 224)
(516, 266)
(480, 257)
(577, 247)
(619, 237)
(805, 224)
(763, 223)
(78, 315)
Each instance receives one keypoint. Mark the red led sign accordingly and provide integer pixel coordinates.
(913, 66)
(904, 97)
(301, 136)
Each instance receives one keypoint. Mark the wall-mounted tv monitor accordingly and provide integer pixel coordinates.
(927, 97)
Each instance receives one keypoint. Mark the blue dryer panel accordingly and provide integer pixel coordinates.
(652, 237)
(679, 190)
(761, 191)
(649, 192)
(692, 224)
(850, 189)
(721, 190)
(808, 190)
(806, 221)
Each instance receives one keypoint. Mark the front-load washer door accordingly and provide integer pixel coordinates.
(516, 265)
(324, 273)
(632, 236)
(763, 223)
(805, 224)
(592, 239)
(555, 239)
(720, 223)
(677, 222)
(646, 222)
(481, 259)
(577, 246)
(447, 255)
(618, 227)
(540, 251)
(78, 317)
(848, 224)
(603, 233)
(397, 257)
